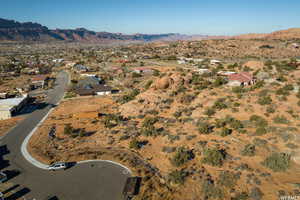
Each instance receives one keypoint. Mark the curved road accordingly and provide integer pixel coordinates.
(86, 181)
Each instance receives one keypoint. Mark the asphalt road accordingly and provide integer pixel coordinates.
(86, 181)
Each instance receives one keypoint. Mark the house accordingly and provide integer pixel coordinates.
(181, 62)
(225, 73)
(241, 79)
(203, 71)
(88, 81)
(80, 68)
(8, 107)
(215, 62)
(3, 95)
(94, 90)
(296, 45)
(140, 70)
(39, 81)
(58, 60)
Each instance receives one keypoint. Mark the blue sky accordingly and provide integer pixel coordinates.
(213, 17)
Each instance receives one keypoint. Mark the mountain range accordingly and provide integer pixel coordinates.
(11, 30)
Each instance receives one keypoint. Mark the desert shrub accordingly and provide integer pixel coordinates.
(258, 84)
(280, 120)
(214, 157)
(260, 131)
(258, 121)
(166, 149)
(248, 150)
(219, 104)
(148, 84)
(150, 131)
(238, 89)
(68, 129)
(69, 95)
(291, 146)
(177, 176)
(177, 114)
(187, 99)
(134, 144)
(256, 194)
(227, 179)
(135, 75)
(205, 128)
(234, 123)
(219, 81)
(225, 131)
(149, 121)
(219, 123)
(112, 120)
(182, 156)
(277, 162)
(241, 196)
(209, 112)
(211, 191)
(265, 100)
(270, 109)
(128, 97)
(156, 73)
(260, 142)
(285, 90)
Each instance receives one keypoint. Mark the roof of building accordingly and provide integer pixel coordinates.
(142, 68)
(241, 77)
(93, 89)
(8, 104)
(88, 81)
(39, 78)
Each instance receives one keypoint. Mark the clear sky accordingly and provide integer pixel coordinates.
(213, 17)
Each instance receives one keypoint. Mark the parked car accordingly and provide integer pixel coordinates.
(57, 166)
(3, 177)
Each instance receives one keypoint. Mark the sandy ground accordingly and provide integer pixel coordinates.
(83, 113)
(6, 125)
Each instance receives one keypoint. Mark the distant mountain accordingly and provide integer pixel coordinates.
(11, 30)
(292, 33)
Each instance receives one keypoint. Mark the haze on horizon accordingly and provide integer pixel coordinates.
(214, 17)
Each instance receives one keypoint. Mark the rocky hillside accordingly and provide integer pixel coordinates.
(292, 33)
(11, 30)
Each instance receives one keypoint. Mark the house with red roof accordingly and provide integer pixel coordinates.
(241, 79)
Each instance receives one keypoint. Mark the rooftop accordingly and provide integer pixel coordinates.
(7, 104)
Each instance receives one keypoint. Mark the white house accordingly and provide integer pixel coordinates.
(10, 106)
(214, 62)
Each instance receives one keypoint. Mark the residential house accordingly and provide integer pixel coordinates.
(3, 95)
(215, 62)
(8, 107)
(80, 68)
(141, 70)
(39, 81)
(225, 73)
(88, 81)
(94, 90)
(296, 45)
(241, 79)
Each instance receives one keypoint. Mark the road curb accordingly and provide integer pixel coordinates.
(24, 150)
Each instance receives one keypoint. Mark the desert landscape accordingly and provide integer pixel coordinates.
(192, 116)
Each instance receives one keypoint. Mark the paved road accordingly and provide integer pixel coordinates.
(87, 181)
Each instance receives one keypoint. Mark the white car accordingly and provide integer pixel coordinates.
(57, 166)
